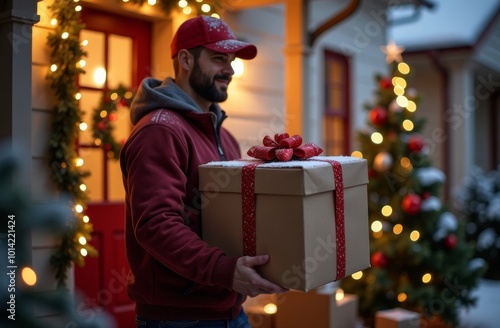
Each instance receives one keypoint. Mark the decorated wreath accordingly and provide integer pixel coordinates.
(105, 115)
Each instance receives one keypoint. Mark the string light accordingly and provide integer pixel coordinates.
(376, 226)
(357, 275)
(78, 8)
(79, 208)
(82, 240)
(86, 219)
(151, 2)
(78, 96)
(402, 297)
(103, 114)
(83, 126)
(403, 68)
(182, 3)
(84, 43)
(339, 294)
(377, 138)
(79, 162)
(53, 67)
(187, 10)
(426, 278)
(397, 229)
(411, 107)
(205, 8)
(215, 15)
(84, 252)
(402, 101)
(83, 187)
(357, 154)
(65, 35)
(29, 276)
(414, 235)
(386, 210)
(408, 125)
(53, 21)
(270, 308)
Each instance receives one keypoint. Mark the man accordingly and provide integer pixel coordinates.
(176, 278)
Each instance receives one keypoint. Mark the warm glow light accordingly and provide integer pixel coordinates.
(82, 63)
(377, 138)
(408, 125)
(114, 96)
(65, 35)
(357, 154)
(53, 21)
(128, 94)
(414, 235)
(411, 107)
(386, 210)
(397, 229)
(205, 8)
(377, 234)
(29, 276)
(426, 278)
(85, 43)
(84, 252)
(78, 8)
(78, 96)
(215, 15)
(402, 101)
(403, 68)
(79, 208)
(376, 226)
(183, 3)
(83, 187)
(405, 162)
(79, 161)
(100, 75)
(238, 67)
(53, 67)
(97, 142)
(125, 0)
(83, 126)
(357, 275)
(82, 240)
(187, 10)
(151, 2)
(339, 295)
(103, 114)
(270, 308)
(402, 297)
(86, 219)
(398, 90)
(399, 81)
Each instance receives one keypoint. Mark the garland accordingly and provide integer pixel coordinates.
(65, 55)
(104, 116)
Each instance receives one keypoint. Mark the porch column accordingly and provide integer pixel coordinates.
(460, 118)
(16, 21)
(296, 50)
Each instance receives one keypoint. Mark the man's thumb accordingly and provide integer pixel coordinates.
(260, 259)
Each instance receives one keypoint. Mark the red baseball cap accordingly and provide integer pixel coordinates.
(213, 34)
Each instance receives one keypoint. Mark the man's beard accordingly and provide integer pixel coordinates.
(205, 87)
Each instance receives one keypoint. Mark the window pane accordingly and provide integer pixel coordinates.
(93, 162)
(119, 61)
(88, 104)
(95, 65)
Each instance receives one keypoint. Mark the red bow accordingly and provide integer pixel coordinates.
(284, 148)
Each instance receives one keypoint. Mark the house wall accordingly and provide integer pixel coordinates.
(255, 105)
(359, 38)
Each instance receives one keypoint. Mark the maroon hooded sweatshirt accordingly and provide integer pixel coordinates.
(174, 273)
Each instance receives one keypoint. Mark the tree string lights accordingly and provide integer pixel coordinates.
(417, 244)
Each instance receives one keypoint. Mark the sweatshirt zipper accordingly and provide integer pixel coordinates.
(217, 139)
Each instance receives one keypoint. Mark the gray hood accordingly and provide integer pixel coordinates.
(154, 94)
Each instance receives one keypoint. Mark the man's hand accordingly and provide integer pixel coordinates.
(248, 282)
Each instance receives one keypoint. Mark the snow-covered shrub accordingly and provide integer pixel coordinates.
(478, 201)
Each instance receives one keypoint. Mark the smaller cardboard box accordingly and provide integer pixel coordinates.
(312, 309)
(397, 318)
(295, 217)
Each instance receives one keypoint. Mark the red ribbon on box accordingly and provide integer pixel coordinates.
(248, 192)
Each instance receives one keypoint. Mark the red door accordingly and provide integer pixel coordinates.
(118, 55)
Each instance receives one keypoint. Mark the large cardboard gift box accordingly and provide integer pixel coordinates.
(312, 235)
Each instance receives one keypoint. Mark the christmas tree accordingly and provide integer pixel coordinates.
(420, 259)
